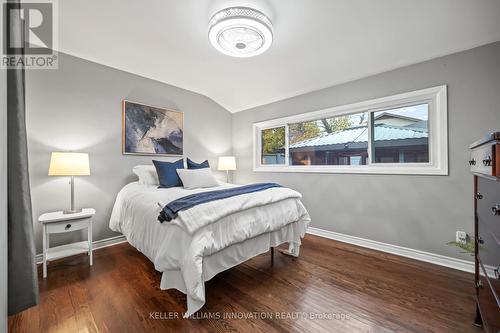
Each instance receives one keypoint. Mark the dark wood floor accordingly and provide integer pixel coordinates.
(354, 289)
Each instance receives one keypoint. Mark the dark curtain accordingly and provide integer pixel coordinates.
(23, 285)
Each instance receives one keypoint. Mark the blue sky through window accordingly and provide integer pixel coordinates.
(420, 111)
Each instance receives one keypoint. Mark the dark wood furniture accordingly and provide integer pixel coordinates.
(485, 165)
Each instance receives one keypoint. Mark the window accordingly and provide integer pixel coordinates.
(329, 141)
(273, 146)
(402, 134)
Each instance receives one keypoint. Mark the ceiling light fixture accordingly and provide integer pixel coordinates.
(240, 32)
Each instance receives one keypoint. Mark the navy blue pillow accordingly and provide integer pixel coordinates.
(194, 165)
(167, 173)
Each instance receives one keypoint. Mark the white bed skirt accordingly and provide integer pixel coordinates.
(235, 255)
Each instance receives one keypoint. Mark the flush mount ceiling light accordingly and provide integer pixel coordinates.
(240, 32)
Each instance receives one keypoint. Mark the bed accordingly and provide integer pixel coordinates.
(221, 234)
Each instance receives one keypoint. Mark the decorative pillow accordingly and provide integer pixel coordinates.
(147, 174)
(194, 165)
(197, 178)
(167, 174)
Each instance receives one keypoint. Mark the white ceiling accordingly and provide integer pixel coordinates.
(318, 43)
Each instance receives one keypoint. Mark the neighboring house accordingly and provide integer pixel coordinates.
(398, 139)
(395, 120)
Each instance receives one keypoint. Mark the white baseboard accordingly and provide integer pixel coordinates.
(437, 259)
(460, 264)
(98, 244)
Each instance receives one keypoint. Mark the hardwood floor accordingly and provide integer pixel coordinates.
(354, 289)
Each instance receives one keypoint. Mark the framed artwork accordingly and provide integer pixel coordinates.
(149, 130)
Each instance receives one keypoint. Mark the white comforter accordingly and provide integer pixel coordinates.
(204, 230)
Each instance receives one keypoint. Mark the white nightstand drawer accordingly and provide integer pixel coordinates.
(67, 226)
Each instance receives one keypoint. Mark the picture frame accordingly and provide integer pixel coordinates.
(151, 130)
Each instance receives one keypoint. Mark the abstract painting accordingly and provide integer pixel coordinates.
(149, 130)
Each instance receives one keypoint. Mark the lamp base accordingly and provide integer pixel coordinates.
(72, 211)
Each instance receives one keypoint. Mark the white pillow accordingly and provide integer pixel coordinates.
(197, 178)
(147, 174)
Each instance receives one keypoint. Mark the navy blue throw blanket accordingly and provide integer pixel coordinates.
(169, 212)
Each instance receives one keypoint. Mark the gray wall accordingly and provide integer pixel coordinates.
(420, 212)
(3, 201)
(78, 107)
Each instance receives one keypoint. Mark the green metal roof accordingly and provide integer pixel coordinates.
(360, 134)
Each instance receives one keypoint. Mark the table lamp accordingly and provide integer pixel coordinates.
(227, 163)
(69, 164)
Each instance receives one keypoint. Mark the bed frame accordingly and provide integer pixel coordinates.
(285, 252)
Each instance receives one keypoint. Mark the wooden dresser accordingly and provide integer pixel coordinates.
(485, 165)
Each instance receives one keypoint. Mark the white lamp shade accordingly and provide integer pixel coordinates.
(69, 164)
(227, 163)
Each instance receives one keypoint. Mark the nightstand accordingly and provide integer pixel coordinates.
(57, 222)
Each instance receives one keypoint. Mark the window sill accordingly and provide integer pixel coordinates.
(364, 169)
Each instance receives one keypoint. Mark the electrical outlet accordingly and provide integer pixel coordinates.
(461, 237)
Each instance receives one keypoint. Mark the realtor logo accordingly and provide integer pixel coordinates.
(29, 35)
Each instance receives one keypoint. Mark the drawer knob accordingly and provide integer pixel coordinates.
(472, 162)
(495, 210)
(487, 161)
(479, 196)
(67, 226)
(480, 240)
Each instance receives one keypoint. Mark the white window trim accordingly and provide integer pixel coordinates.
(438, 135)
